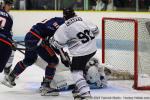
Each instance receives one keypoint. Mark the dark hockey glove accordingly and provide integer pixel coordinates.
(66, 61)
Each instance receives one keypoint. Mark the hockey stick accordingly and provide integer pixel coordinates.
(26, 48)
(64, 57)
(20, 43)
(20, 51)
(63, 83)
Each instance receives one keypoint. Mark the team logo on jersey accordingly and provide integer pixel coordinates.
(56, 25)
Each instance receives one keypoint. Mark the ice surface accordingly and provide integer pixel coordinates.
(29, 83)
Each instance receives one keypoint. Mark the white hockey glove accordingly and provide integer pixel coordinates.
(95, 31)
(55, 43)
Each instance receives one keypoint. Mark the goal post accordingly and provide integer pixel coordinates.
(126, 46)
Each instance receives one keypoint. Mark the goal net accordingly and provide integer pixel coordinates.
(126, 46)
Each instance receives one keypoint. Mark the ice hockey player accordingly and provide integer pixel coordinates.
(79, 36)
(6, 23)
(35, 42)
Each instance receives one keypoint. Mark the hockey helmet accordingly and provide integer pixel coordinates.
(3, 2)
(68, 13)
(8, 1)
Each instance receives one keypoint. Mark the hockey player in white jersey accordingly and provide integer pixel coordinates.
(79, 36)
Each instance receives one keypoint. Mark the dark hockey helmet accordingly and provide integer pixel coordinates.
(68, 13)
(4, 2)
(8, 1)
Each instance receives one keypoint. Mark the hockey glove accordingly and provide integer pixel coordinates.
(66, 61)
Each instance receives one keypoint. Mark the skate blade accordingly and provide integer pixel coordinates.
(50, 94)
(6, 84)
(82, 99)
(77, 99)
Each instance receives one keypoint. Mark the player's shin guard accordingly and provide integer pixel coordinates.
(19, 68)
(50, 71)
(81, 84)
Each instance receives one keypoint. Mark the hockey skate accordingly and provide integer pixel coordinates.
(46, 90)
(7, 71)
(77, 96)
(86, 98)
(9, 81)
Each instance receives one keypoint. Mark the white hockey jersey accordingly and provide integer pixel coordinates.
(78, 35)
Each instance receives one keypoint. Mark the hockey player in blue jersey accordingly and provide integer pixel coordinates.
(6, 24)
(35, 41)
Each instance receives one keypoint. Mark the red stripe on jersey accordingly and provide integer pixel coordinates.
(6, 42)
(38, 36)
(49, 50)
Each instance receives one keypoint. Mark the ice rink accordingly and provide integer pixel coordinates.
(29, 83)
